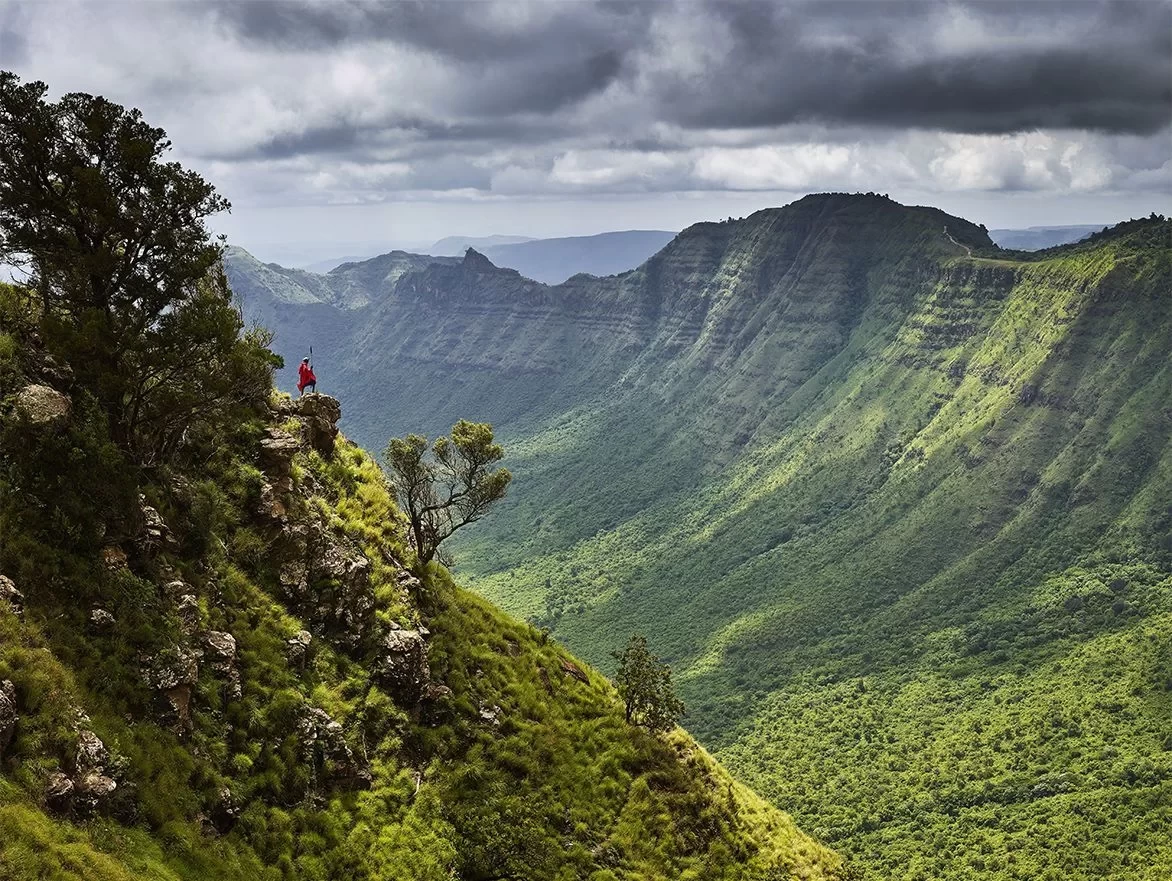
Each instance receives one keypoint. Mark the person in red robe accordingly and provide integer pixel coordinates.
(305, 377)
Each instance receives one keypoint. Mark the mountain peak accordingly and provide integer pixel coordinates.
(476, 261)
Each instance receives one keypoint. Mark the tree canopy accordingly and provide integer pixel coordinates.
(447, 485)
(644, 684)
(123, 269)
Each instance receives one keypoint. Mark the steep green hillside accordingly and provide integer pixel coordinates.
(220, 668)
(895, 503)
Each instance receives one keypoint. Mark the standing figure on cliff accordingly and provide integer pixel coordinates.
(305, 377)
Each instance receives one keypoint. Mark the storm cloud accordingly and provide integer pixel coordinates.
(334, 102)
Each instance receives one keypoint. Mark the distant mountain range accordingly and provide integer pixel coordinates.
(1035, 238)
(455, 246)
(551, 261)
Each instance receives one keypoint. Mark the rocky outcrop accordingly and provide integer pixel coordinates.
(188, 611)
(10, 595)
(220, 652)
(326, 579)
(43, 405)
(401, 665)
(8, 715)
(277, 450)
(323, 745)
(153, 534)
(173, 675)
(59, 792)
(297, 649)
(319, 421)
(101, 621)
(93, 779)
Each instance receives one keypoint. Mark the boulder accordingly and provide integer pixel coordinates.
(91, 754)
(220, 650)
(59, 793)
(10, 595)
(173, 676)
(297, 648)
(8, 715)
(401, 665)
(188, 611)
(490, 715)
(91, 791)
(42, 405)
(101, 620)
(319, 419)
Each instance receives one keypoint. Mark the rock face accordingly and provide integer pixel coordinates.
(101, 620)
(319, 418)
(220, 651)
(173, 676)
(401, 666)
(93, 781)
(42, 405)
(326, 579)
(8, 716)
(10, 595)
(323, 744)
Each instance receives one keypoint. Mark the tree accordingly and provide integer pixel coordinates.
(644, 684)
(446, 486)
(123, 268)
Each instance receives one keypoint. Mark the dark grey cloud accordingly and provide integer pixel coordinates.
(1103, 66)
(1055, 64)
(329, 101)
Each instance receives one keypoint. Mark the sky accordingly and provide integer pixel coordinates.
(340, 127)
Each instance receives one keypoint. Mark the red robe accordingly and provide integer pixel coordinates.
(305, 377)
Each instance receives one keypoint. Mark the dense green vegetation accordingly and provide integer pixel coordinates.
(215, 662)
(894, 504)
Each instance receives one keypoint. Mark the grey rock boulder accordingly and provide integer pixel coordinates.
(10, 595)
(91, 754)
(8, 715)
(59, 793)
(297, 648)
(42, 405)
(401, 665)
